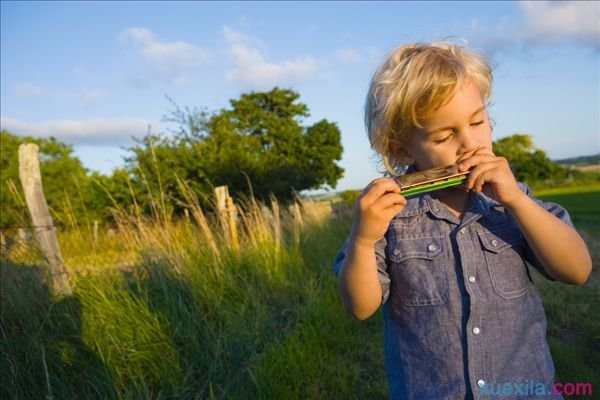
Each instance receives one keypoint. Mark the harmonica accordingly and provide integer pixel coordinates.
(430, 179)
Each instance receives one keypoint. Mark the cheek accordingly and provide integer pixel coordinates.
(485, 137)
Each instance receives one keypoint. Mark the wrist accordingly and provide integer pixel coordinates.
(516, 203)
(362, 242)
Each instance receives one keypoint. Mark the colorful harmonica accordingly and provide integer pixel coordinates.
(431, 179)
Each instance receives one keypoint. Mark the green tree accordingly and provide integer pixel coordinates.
(259, 140)
(529, 164)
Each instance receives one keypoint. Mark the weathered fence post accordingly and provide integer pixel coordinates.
(227, 215)
(43, 226)
(95, 231)
(3, 246)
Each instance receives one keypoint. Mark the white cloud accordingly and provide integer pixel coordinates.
(547, 20)
(28, 89)
(544, 23)
(173, 60)
(251, 67)
(113, 132)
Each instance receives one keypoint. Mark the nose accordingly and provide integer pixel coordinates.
(466, 142)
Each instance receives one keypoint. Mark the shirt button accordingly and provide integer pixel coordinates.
(494, 242)
(476, 330)
(461, 231)
(471, 279)
(481, 383)
(432, 247)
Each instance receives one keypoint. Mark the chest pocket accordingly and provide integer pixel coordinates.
(503, 255)
(418, 272)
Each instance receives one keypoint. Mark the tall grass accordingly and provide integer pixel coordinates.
(166, 308)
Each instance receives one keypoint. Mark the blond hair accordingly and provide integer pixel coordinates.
(414, 81)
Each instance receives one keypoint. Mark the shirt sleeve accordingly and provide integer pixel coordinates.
(554, 209)
(380, 259)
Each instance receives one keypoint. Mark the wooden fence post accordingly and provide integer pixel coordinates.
(3, 246)
(227, 215)
(43, 226)
(95, 231)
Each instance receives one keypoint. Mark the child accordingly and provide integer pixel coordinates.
(462, 316)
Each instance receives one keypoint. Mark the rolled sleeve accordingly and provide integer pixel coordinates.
(380, 259)
(553, 208)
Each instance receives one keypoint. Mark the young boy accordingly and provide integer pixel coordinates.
(462, 316)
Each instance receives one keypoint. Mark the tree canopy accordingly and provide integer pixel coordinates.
(259, 141)
(529, 164)
(259, 145)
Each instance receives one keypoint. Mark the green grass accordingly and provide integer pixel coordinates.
(262, 324)
(259, 324)
(573, 329)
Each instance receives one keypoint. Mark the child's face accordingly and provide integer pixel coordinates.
(466, 126)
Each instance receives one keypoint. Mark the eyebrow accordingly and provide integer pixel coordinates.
(449, 127)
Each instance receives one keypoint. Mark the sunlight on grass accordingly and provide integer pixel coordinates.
(167, 308)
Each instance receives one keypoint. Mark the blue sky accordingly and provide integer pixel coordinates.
(95, 74)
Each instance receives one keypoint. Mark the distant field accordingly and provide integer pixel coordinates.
(588, 168)
(583, 204)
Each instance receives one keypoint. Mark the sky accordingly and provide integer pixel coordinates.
(94, 75)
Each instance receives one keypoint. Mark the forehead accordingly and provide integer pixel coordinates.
(461, 105)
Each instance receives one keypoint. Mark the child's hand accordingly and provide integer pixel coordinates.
(492, 175)
(377, 204)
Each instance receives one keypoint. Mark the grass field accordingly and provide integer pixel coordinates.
(180, 319)
(573, 328)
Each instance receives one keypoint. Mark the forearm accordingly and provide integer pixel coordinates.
(560, 249)
(359, 283)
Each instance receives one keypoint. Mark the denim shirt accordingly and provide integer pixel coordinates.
(461, 313)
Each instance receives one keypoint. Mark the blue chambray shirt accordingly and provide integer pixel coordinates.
(459, 305)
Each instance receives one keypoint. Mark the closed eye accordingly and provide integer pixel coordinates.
(443, 140)
(450, 135)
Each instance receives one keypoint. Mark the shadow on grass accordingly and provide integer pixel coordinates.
(42, 354)
(219, 329)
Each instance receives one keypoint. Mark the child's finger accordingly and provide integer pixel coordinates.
(473, 161)
(389, 199)
(479, 150)
(380, 187)
(483, 177)
(370, 186)
(477, 171)
(389, 212)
